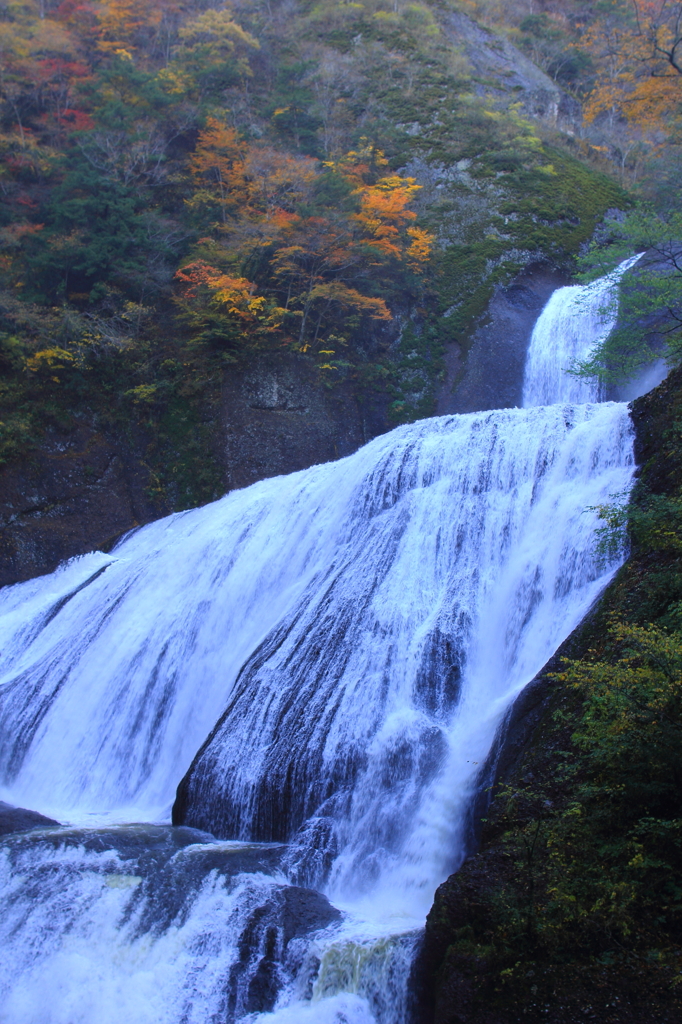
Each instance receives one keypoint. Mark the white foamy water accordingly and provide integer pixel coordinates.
(332, 653)
(573, 323)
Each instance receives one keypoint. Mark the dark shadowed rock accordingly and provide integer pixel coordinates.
(278, 418)
(83, 488)
(19, 819)
(291, 913)
(305, 910)
(80, 490)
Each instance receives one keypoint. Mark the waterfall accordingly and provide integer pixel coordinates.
(318, 664)
(573, 323)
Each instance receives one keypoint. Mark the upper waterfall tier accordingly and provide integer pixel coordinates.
(575, 320)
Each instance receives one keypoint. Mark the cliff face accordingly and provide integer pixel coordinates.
(82, 488)
(499, 65)
(277, 418)
(490, 374)
(78, 491)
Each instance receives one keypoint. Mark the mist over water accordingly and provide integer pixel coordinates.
(347, 639)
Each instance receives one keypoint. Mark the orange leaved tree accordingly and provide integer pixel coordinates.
(225, 312)
(637, 49)
(218, 169)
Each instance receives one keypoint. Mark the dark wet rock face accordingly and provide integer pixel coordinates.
(19, 819)
(490, 374)
(290, 914)
(83, 488)
(79, 491)
(279, 418)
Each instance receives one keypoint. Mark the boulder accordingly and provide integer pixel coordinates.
(19, 819)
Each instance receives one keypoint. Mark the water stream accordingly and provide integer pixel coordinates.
(321, 662)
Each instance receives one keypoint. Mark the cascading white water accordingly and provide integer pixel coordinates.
(575, 320)
(350, 637)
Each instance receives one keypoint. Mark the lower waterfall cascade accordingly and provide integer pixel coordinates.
(309, 675)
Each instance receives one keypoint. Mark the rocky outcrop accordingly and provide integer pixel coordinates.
(78, 491)
(19, 819)
(502, 72)
(81, 489)
(278, 417)
(290, 913)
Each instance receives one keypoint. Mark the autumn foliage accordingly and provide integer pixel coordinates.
(313, 266)
(637, 50)
(95, 98)
(187, 182)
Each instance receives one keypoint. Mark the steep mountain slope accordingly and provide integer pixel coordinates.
(203, 201)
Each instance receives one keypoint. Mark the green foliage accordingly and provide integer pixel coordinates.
(212, 55)
(122, 94)
(95, 235)
(550, 206)
(593, 846)
(615, 850)
(548, 43)
(650, 296)
(415, 370)
(120, 371)
(290, 108)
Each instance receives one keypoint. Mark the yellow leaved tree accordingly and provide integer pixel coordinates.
(636, 46)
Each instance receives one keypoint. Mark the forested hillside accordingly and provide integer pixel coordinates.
(192, 187)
